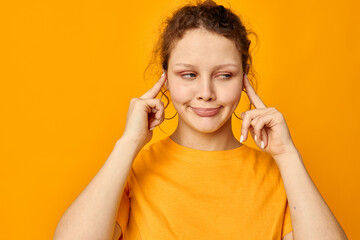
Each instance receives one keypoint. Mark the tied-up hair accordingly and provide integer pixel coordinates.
(207, 15)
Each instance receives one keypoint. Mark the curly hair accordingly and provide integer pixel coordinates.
(206, 15)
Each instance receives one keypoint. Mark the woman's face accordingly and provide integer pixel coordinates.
(196, 79)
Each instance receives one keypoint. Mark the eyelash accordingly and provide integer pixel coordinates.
(229, 75)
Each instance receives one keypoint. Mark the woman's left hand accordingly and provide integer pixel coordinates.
(266, 124)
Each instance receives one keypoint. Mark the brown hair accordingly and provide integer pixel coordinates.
(207, 15)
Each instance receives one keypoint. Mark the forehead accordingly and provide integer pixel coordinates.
(199, 47)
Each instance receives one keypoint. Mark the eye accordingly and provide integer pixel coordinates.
(188, 74)
(228, 76)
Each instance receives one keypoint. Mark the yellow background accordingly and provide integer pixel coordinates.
(68, 70)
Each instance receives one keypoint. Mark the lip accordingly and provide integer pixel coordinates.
(206, 112)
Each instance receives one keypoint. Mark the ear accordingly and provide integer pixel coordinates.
(243, 84)
(166, 82)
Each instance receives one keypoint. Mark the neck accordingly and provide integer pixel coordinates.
(222, 139)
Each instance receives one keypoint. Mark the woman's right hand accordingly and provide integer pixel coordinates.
(144, 114)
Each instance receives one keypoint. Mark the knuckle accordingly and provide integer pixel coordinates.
(133, 100)
(244, 114)
(254, 121)
(278, 112)
(281, 115)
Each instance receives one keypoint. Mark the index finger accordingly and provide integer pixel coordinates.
(154, 91)
(254, 98)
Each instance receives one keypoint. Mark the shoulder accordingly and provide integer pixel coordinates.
(267, 175)
(154, 145)
(261, 158)
(150, 150)
(263, 163)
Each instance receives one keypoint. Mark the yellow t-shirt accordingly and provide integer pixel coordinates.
(176, 192)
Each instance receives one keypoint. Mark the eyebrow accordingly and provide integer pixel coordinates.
(218, 66)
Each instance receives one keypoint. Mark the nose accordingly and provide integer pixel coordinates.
(205, 90)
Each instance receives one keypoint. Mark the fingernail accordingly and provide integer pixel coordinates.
(262, 144)
(241, 138)
(163, 74)
(152, 128)
(255, 138)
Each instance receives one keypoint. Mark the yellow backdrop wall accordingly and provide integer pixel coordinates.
(68, 70)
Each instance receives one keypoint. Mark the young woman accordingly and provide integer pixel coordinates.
(201, 182)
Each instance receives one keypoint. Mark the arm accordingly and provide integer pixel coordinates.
(310, 216)
(93, 213)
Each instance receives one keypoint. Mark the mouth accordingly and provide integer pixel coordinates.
(206, 112)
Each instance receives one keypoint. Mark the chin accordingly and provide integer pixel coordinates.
(206, 127)
(206, 131)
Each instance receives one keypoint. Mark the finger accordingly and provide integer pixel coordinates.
(255, 131)
(157, 113)
(258, 130)
(258, 139)
(159, 117)
(251, 130)
(247, 117)
(264, 137)
(254, 98)
(155, 109)
(260, 125)
(154, 91)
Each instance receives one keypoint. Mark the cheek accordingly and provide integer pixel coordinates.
(231, 94)
(180, 94)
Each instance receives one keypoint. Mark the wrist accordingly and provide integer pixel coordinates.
(129, 144)
(288, 157)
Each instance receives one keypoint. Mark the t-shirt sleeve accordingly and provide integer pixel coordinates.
(124, 209)
(287, 226)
